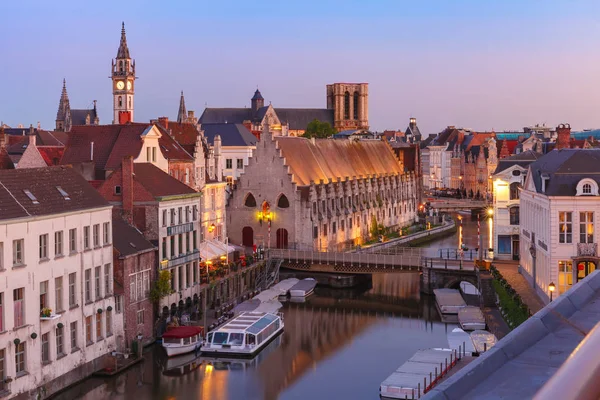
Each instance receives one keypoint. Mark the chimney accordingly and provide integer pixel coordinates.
(127, 188)
(563, 136)
(31, 139)
(30, 129)
(164, 122)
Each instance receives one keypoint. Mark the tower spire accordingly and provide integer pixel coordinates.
(123, 51)
(63, 115)
(182, 115)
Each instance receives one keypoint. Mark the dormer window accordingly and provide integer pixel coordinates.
(117, 190)
(587, 187)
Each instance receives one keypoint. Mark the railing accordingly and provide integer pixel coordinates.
(184, 258)
(587, 249)
(578, 377)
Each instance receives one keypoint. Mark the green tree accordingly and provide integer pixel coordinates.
(374, 227)
(318, 129)
(161, 287)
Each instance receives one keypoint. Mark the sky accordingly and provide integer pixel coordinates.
(484, 65)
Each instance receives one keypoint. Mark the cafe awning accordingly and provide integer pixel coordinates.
(212, 249)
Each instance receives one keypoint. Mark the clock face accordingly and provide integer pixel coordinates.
(120, 85)
(129, 85)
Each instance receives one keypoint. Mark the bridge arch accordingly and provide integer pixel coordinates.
(455, 282)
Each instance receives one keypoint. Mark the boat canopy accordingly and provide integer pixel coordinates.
(181, 332)
(251, 322)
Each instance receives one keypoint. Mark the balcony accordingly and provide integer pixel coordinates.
(587, 249)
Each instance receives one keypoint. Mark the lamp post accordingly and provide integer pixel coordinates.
(460, 186)
(551, 288)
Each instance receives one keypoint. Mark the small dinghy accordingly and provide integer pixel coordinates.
(483, 340)
(471, 318)
(461, 339)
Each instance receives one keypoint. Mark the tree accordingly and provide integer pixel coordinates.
(374, 227)
(318, 129)
(161, 287)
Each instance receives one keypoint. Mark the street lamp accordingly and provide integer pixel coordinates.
(490, 211)
(551, 288)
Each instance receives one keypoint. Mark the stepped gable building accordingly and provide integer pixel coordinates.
(30, 148)
(66, 117)
(59, 315)
(319, 193)
(347, 108)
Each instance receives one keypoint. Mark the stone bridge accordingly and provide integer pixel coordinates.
(457, 204)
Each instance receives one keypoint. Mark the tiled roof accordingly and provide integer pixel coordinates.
(79, 117)
(42, 183)
(114, 142)
(127, 240)
(522, 159)
(157, 182)
(51, 154)
(225, 115)
(329, 159)
(299, 118)
(565, 168)
(44, 138)
(5, 161)
(231, 134)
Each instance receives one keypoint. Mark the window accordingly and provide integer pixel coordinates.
(172, 239)
(187, 242)
(180, 276)
(149, 154)
(324, 229)
(139, 285)
(43, 246)
(587, 189)
(514, 190)
(194, 241)
(514, 215)
(88, 285)
(164, 217)
(46, 348)
(153, 148)
(315, 232)
(213, 194)
(96, 235)
(356, 106)
(58, 243)
(187, 175)
(180, 243)
(195, 272)
(106, 232)
(228, 163)
(586, 227)
(194, 213)
(565, 228)
(63, 193)
(187, 213)
(163, 254)
(19, 306)
(107, 280)
(347, 105)
(98, 326)
(283, 202)
(86, 237)
(504, 244)
(59, 341)
(73, 329)
(117, 190)
(172, 216)
(73, 240)
(108, 323)
(2, 369)
(2, 329)
(20, 359)
(333, 228)
(58, 296)
(72, 292)
(98, 282)
(565, 275)
(88, 330)
(33, 199)
(1, 256)
(240, 163)
(179, 215)
(18, 251)
(188, 276)
(140, 317)
(119, 304)
(43, 295)
(250, 201)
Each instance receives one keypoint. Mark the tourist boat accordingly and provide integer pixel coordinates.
(449, 301)
(182, 339)
(483, 340)
(471, 318)
(303, 288)
(245, 335)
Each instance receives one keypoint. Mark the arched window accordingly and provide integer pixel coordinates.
(250, 201)
(587, 189)
(283, 202)
(514, 215)
(356, 106)
(514, 190)
(120, 101)
(347, 105)
(129, 101)
(120, 66)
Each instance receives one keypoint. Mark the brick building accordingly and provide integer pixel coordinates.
(30, 147)
(134, 266)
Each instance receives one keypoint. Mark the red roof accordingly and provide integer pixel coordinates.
(181, 332)
(158, 182)
(51, 154)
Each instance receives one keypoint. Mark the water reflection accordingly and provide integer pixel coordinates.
(338, 344)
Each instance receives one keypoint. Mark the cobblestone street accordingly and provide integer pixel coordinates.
(509, 270)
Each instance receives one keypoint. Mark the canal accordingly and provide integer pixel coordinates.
(339, 344)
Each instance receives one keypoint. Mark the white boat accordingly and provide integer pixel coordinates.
(182, 364)
(471, 318)
(182, 339)
(483, 340)
(449, 301)
(244, 335)
(303, 288)
(460, 340)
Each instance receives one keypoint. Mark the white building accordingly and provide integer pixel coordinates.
(58, 317)
(508, 179)
(559, 205)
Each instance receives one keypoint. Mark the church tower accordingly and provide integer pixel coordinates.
(350, 105)
(63, 116)
(182, 114)
(123, 77)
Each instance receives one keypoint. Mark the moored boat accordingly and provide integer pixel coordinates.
(483, 340)
(303, 288)
(182, 339)
(245, 335)
(460, 340)
(471, 318)
(449, 301)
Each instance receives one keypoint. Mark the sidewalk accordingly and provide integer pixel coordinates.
(510, 272)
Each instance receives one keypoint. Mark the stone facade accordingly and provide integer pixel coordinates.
(350, 105)
(279, 202)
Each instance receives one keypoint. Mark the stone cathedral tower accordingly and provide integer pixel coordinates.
(123, 77)
(350, 105)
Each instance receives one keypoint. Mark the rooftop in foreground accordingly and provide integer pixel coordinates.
(522, 362)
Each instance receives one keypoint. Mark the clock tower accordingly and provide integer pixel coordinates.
(123, 77)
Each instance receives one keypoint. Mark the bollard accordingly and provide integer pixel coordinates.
(430, 379)
(419, 389)
(484, 347)
(413, 393)
(464, 350)
(441, 371)
(436, 375)
(446, 361)
(459, 352)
